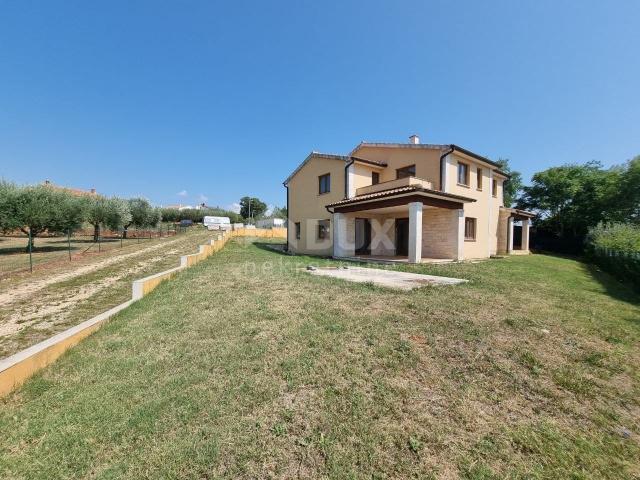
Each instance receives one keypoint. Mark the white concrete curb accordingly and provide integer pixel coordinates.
(17, 368)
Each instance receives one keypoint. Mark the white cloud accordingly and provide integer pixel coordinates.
(234, 207)
(202, 198)
(182, 193)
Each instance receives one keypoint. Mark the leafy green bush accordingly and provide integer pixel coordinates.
(623, 237)
(616, 249)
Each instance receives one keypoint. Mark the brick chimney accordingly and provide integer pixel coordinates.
(414, 139)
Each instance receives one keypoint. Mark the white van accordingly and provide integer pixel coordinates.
(217, 223)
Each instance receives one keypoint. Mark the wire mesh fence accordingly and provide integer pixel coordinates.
(624, 265)
(18, 253)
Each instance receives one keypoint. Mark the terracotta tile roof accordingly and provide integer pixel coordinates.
(414, 146)
(73, 191)
(518, 212)
(399, 190)
(370, 162)
(431, 146)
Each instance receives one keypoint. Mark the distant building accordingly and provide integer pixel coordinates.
(270, 223)
(179, 206)
(73, 191)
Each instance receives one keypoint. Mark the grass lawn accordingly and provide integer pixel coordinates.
(35, 306)
(244, 367)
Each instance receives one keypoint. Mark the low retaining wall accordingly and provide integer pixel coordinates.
(17, 368)
(261, 232)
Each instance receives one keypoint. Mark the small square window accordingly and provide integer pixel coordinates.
(297, 230)
(405, 172)
(463, 174)
(323, 229)
(375, 178)
(324, 183)
(479, 178)
(469, 228)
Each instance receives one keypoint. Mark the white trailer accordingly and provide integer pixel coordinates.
(217, 223)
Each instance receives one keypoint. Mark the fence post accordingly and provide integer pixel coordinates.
(69, 242)
(122, 236)
(30, 248)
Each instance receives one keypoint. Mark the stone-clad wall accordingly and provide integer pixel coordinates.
(439, 238)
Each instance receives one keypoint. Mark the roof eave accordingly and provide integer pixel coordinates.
(313, 154)
(400, 192)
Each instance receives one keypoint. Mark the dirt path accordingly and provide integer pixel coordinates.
(33, 309)
(46, 313)
(15, 294)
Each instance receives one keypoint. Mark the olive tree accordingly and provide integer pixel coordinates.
(36, 209)
(8, 216)
(154, 217)
(106, 212)
(142, 214)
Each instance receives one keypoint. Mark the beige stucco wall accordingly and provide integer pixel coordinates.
(362, 175)
(307, 206)
(427, 162)
(485, 209)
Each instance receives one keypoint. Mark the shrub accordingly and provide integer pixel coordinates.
(616, 249)
(623, 237)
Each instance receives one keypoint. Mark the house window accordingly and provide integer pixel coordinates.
(405, 172)
(297, 230)
(494, 188)
(463, 174)
(323, 229)
(375, 178)
(470, 228)
(324, 183)
(479, 178)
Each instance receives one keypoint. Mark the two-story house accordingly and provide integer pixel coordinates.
(402, 201)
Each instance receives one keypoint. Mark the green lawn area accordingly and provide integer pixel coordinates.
(245, 367)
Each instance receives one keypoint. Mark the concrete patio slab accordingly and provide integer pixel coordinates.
(385, 278)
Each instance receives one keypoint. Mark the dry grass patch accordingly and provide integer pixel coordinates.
(242, 367)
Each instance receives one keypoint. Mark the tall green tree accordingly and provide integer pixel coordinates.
(252, 207)
(279, 212)
(8, 216)
(142, 214)
(571, 198)
(513, 185)
(105, 212)
(38, 209)
(627, 197)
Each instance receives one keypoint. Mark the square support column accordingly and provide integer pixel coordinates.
(458, 232)
(510, 235)
(415, 232)
(342, 247)
(525, 235)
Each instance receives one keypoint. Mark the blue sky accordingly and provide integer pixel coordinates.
(224, 99)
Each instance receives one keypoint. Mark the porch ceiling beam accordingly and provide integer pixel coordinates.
(399, 201)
